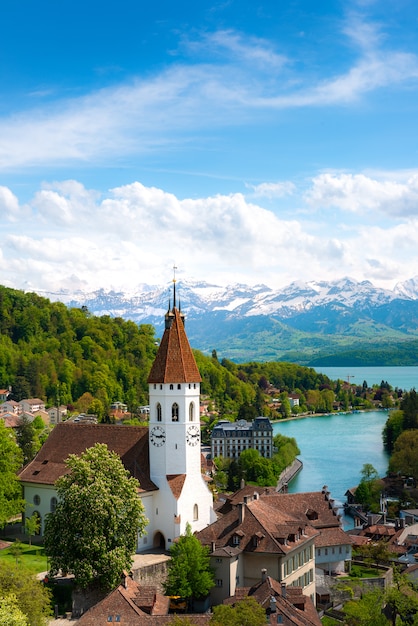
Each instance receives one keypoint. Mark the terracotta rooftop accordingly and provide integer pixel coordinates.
(316, 506)
(133, 605)
(261, 526)
(294, 608)
(175, 362)
(129, 442)
(176, 482)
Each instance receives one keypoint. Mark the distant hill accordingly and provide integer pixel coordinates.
(342, 322)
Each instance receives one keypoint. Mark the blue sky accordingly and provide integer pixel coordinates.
(243, 141)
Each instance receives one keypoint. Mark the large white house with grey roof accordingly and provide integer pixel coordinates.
(229, 439)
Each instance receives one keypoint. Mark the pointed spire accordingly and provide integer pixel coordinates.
(174, 288)
(175, 361)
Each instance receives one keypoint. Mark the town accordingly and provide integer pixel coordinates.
(287, 553)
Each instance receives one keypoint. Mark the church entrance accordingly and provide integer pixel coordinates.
(159, 541)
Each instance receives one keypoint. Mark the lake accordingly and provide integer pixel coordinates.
(402, 377)
(334, 449)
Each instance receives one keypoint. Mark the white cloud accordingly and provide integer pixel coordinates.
(134, 234)
(236, 79)
(359, 193)
(273, 190)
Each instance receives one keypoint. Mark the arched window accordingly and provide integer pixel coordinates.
(175, 412)
(171, 387)
(178, 386)
(191, 412)
(195, 512)
(36, 500)
(159, 412)
(53, 505)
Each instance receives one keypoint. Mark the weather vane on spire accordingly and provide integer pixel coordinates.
(174, 282)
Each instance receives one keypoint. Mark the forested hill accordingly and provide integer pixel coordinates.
(48, 349)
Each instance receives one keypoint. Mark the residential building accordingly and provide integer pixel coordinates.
(283, 605)
(32, 405)
(294, 400)
(4, 394)
(133, 604)
(260, 528)
(119, 406)
(10, 406)
(229, 439)
(57, 413)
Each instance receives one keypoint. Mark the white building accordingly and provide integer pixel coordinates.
(229, 439)
(165, 458)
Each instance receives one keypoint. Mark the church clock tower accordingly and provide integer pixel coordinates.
(174, 434)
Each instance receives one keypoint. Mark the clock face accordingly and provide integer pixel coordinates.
(193, 435)
(157, 436)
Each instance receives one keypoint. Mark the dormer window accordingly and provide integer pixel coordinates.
(311, 514)
(236, 537)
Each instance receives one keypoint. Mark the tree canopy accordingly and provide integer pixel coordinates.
(10, 613)
(11, 459)
(189, 572)
(246, 612)
(404, 459)
(93, 531)
(23, 594)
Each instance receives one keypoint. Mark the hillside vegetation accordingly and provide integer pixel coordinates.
(59, 354)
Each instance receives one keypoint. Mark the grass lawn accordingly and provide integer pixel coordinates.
(31, 557)
(360, 571)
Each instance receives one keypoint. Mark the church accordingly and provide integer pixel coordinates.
(165, 458)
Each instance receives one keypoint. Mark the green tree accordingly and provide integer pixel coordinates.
(369, 489)
(32, 526)
(27, 439)
(402, 600)
(93, 531)
(246, 612)
(33, 599)
(190, 575)
(366, 611)
(16, 549)
(10, 613)
(404, 459)
(11, 458)
(392, 429)
(409, 407)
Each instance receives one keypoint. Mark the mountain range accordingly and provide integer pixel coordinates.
(342, 322)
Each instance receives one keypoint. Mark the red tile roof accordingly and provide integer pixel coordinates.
(176, 482)
(174, 362)
(294, 608)
(129, 442)
(262, 520)
(125, 601)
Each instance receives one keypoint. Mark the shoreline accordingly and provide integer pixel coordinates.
(309, 415)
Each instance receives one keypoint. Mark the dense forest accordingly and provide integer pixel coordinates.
(59, 354)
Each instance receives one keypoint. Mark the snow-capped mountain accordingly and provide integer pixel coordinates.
(241, 314)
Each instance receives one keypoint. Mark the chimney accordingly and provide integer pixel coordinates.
(263, 575)
(283, 586)
(242, 483)
(241, 509)
(213, 546)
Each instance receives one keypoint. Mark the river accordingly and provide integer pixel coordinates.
(334, 448)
